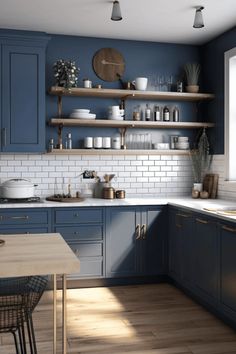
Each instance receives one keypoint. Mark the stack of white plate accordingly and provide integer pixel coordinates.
(183, 143)
(82, 114)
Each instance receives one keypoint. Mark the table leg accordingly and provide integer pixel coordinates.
(64, 313)
(54, 314)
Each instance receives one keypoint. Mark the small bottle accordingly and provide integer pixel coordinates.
(68, 144)
(175, 114)
(122, 109)
(157, 113)
(147, 112)
(166, 114)
(51, 145)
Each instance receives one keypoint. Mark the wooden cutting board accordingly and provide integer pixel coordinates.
(210, 184)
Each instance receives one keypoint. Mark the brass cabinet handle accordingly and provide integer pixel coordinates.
(230, 229)
(143, 231)
(138, 232)
(76, 215)
(76, 232)
(183, 215)
(23, 217)
(202, 221)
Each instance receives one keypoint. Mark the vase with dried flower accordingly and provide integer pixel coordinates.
(192, 72)
(201, 161)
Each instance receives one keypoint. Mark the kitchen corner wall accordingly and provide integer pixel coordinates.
(140, 176)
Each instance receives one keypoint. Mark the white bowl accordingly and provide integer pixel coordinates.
(118, 117)
(163, 146)
(182, 146)
(81, 110)
(83, 115)
(182, 139)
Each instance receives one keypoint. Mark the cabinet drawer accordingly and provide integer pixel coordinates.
(89, 268)
(23, 216)
(87, 249)
(81, 233)
(24, 230)
(82, 216)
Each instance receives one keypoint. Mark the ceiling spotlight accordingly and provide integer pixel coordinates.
(198, 19)
(116, 13)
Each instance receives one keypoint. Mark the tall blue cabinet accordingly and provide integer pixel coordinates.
(22, 97)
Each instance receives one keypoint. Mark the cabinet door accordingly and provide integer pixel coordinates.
(228, 269)
(175, 246)
(205, 265)
(154, 245)
(23, 98)
(121, 246)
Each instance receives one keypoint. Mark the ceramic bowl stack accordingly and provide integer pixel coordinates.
(183, 143)
(115, 113)
(82, 114)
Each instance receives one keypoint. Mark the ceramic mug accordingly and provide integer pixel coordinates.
(140, 83)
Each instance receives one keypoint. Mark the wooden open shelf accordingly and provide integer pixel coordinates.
(130, 94)
(117, 152)
(102, 123)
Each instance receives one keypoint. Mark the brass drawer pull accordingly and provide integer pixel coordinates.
(183, 215)
(76, 232)
(143, 231)
(202, 221)
(23, 217)
(138, 232)
(230, 229)
(76, 215)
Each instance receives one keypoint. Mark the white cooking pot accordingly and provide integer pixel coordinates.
(17, 188)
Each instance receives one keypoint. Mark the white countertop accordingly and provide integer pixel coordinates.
(188, 203)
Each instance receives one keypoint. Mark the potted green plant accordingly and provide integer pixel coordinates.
(192, 72)
(201, 161)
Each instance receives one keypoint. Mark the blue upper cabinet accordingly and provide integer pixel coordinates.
(23, 116)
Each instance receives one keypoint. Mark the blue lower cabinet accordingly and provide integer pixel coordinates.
(205, 258)
(123, 229)
(154, 246)
(180, 239)
(228, 269)
(83, 230)
(134, 241)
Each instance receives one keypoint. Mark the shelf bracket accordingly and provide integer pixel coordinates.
(59, 135)
(122, 138)
(59, 106)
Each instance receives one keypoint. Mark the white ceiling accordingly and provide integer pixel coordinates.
(148, 20)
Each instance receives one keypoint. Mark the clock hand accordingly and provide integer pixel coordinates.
(105, 62)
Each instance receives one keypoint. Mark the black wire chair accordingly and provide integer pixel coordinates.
(18, 299)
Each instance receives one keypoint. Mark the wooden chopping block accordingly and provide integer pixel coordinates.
(210, 184)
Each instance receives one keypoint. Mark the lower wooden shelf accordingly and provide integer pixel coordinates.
(116, 152)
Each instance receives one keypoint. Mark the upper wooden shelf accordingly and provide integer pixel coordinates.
(128, 123)
(130, 94)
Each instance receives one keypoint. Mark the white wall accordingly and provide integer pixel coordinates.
(152, 176)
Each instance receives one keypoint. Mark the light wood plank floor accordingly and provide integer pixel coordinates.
(140, 319)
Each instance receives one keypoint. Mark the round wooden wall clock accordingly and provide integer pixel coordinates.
(108, 64)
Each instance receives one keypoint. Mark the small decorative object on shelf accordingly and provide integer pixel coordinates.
(66, 73)
(192, 72)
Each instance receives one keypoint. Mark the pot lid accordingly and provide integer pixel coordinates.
(17, 182)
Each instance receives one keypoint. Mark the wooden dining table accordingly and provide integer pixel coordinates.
(40, 254)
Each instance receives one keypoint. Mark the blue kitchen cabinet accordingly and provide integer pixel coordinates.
(205, 258)
(180, 237)
(25, 221)
(154, 245)
(135, 244)
(83, 230)
(23, 116)
(227, 293)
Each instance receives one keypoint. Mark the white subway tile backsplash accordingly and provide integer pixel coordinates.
(147, 176)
